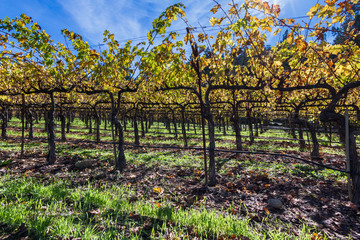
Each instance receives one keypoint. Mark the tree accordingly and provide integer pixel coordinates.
(215, 69)
(351, 24)
(118, 70)
(46, 67)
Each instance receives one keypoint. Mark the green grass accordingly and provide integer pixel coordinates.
(171, 159)
(78, 131)
(9, 146)
(312, 172)
(166, 158)
(62, 210)
(276, 168)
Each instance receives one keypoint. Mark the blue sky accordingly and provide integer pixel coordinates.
(127, 19)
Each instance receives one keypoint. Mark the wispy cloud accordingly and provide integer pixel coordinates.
(132, 19)
(127, 19)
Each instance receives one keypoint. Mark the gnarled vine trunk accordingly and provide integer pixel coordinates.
(174, 123)
(68, 123)
(235, 120)
(30, 120)
(136, 127)
(142, 119)
(97, 123)
(315, 152)
(63, 125)
(183, 127)
(51, 156)
(119, 154)
(211, 125)
(5, 120)
(329, 115)
(250, 125)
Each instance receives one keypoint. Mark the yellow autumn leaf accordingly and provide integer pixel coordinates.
(213, 21)
(290, 39)
(277, 31)
(188, 37)
(330, 63)
(301, 44)
(313, 11)
(215, 9)
(201, 37)
(330, 2)
(278, 63)
(157, 190)
(290, 21)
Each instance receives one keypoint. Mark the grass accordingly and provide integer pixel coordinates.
(303, 170)
(158, 131)
(276, 168)
(166, 158)
(61, 210)
(79, 132)
(171, 159)
(9, 146)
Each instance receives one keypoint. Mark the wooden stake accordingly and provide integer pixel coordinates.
(22, 125)
(347, 150)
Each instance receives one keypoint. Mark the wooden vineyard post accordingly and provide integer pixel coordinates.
(204, 143)
(347, 150)
(22, 125)
(307, 136)
(330, 133)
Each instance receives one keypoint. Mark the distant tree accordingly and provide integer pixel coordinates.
(351, 23)
(285, 35)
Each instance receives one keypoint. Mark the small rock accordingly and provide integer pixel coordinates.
(84, 164)
(275, 203)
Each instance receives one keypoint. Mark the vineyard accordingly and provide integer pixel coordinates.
(210, 136)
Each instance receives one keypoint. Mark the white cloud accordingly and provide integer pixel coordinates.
(127, 19)
(132, 19)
